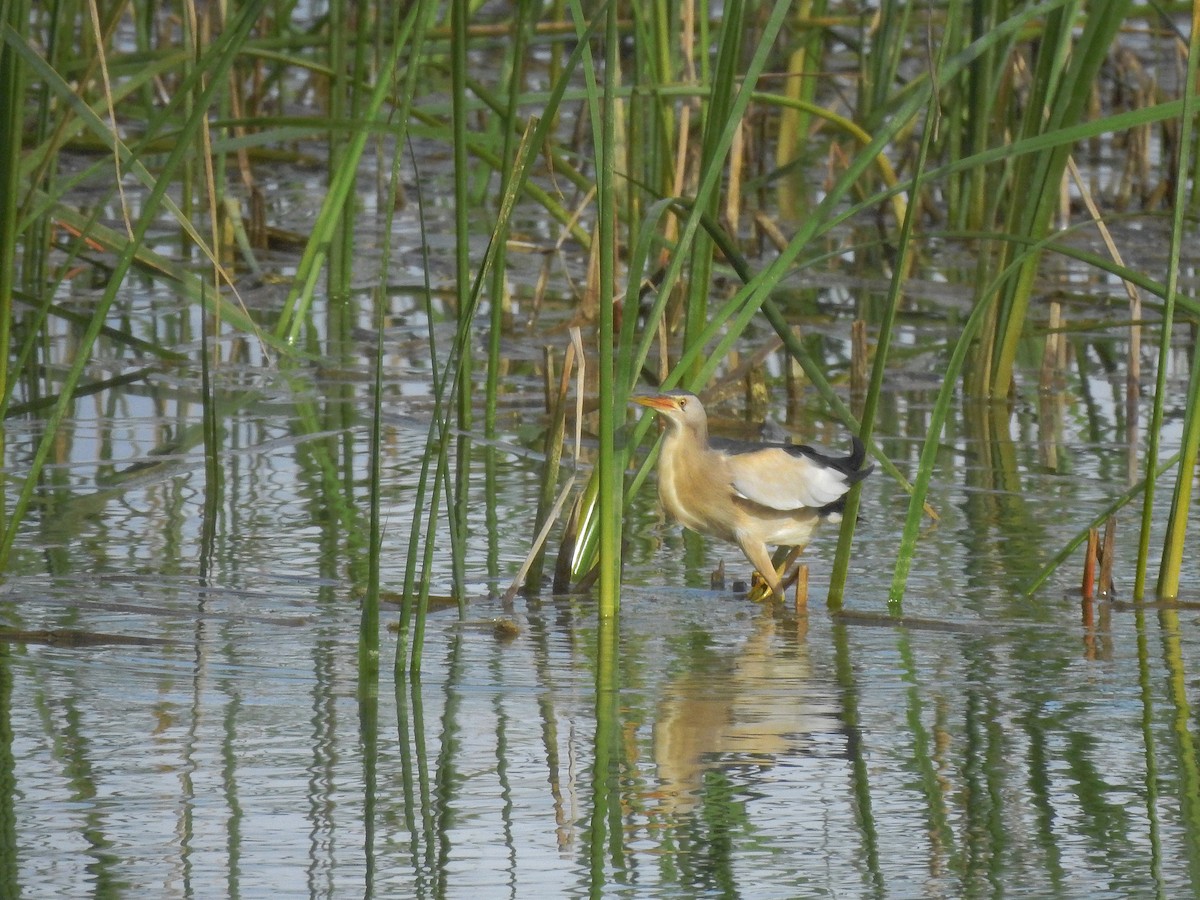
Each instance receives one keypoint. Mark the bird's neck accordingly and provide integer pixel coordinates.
(693, 435)
(694, 438)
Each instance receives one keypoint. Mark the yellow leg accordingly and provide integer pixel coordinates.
(761, 560)
(787, 569)
(779, 578)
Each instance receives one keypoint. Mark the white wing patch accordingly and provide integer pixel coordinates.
(776, 479)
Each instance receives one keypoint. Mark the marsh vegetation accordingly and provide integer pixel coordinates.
(359, 295)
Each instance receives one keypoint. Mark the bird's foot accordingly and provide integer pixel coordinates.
(785, 576)
(760, 589)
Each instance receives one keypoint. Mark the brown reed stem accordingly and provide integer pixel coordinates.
(802, 587)
(1089, 564)
(1107, 552)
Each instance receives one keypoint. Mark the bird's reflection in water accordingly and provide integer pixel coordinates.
(757, 705)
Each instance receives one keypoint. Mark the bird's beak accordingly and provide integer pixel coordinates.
(654, 401)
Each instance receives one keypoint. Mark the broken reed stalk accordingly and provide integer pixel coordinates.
(716, 581)
(1107, 552)
(1099, 555)
(802, 587)
(1089, 564)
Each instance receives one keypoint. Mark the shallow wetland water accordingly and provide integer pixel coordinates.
(210, 737)
(182, 713)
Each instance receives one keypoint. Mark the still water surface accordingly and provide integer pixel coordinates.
(998, 745)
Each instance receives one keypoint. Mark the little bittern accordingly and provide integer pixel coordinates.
(748, 494)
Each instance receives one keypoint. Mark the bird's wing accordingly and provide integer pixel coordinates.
(774, 478)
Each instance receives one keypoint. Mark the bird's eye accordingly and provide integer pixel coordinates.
(682, 403)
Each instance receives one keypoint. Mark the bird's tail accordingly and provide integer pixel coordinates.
(852, 470)
(852, 466)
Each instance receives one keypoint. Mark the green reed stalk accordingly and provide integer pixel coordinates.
(414, 601)
(803, 70)
(1172, 556)
(610, 462)
(369, 624)
(601, 105)
(347, 75)
(460, 13)
(450, 380)
(841, 561)
(879, 63)
(368, 627)
(648, 118)
(209, 324)
(12, 108)
(415, 598)
(963, 129)
(38, 233)
(214, 67)
(1065, 71)
(1031, 201)
(714, 155)
(514, 72)
(188, 171)
(522, 25)
(971, 123)
(439, 430)
(348, 90)
(341, 186)
(641, 134)
(15, 16)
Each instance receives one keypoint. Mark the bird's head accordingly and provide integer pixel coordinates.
(681, 409)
